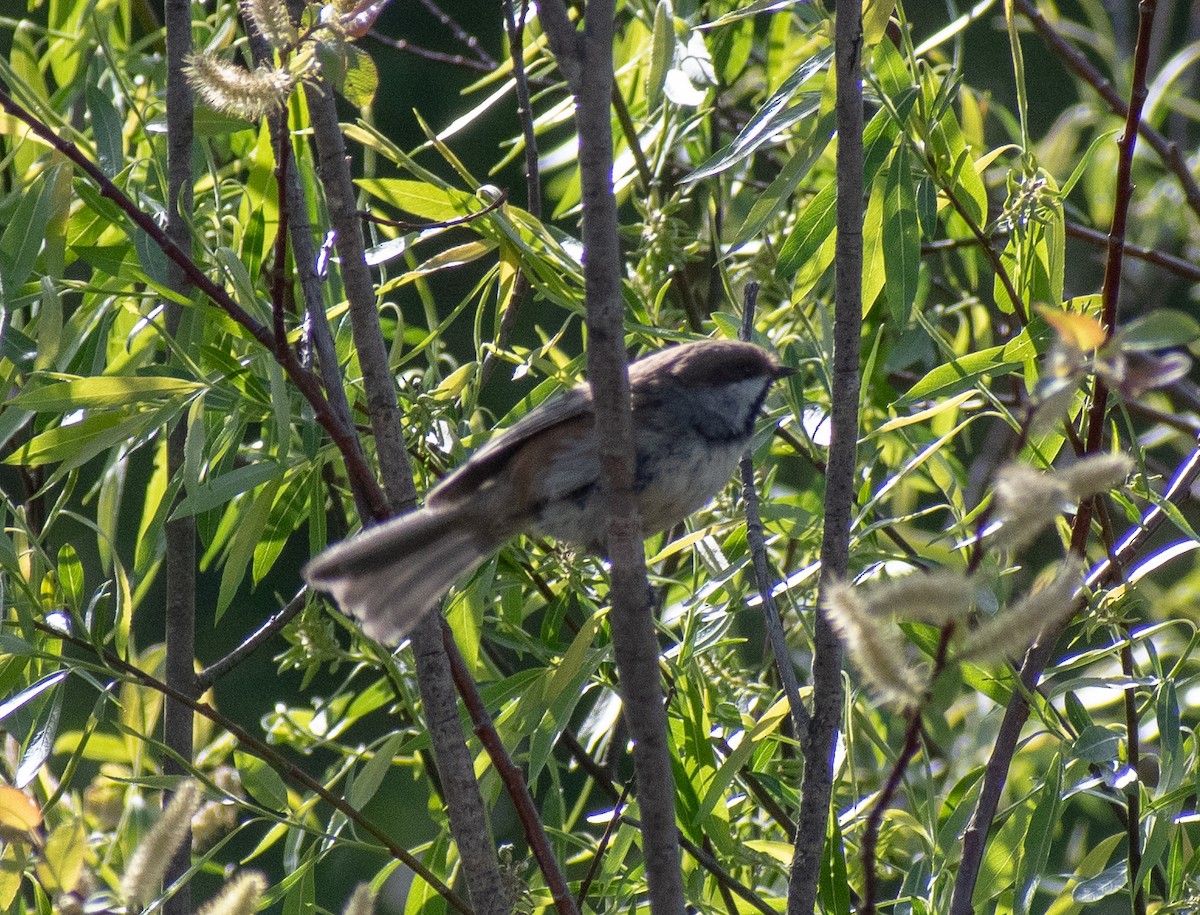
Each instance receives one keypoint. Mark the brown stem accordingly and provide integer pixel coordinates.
(762, 573)
(180, 557)
(270, 756)
(1167, 151)
(511, 776)
(307, 383)
(817, 787)
(912, 737)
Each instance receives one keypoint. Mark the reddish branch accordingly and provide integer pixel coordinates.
(975, 838)
(307, 383)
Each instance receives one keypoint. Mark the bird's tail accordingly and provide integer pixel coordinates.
(391, 575)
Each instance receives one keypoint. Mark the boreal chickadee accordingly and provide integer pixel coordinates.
(694, 410)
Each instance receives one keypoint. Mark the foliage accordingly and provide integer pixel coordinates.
(985, 338)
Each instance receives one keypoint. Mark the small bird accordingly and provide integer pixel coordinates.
(694, 408)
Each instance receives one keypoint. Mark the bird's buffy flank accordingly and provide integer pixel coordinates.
(694, 409)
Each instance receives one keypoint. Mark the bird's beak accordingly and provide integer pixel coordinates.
(783, 371)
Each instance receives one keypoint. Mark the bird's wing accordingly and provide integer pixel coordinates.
(485, 463)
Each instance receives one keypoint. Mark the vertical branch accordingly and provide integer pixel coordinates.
(839, 479)
(589, 70)
(180, 532)
(1038, 656)
(468, 818)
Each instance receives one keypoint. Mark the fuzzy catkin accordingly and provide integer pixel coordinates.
(146, 868)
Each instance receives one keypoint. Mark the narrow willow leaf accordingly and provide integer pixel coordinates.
(21, 242)
(217, 491)
(371, 775)
(27, 695)
(768, 203)
(874, 266)
(285, 516)
(40, 743)
(261, 781)
(252, 520)
(1039, 837)
(662, 52)
(960, 374)
(70, 576)
(420, 198)
(814, 226)
(901, 238)
(49, 324)
(106, 128)
(102, 392)
(775, 115)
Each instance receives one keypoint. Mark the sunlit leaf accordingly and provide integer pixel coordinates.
(19, 814)
(1081, 331)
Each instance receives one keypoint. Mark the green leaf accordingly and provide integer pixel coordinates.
(102, 392)
(767, 122)
(959, 374)
(22, 240)
(814, 226)
(733, 764)
(834, 885)
(301, 896)
(106, 129)
(371, 776)
(662, 52)
(243, 544)
(360, 79)
(222, 489)
(1039, 837)
(81, 441)
(70, 576)
(1097, 745)
(286, 514)
(27, 695)
(421, 198)
(1109, 881)
(261, 781)
(901, 238)
(1161, 329)
(40, 744)
(769, 202)
(61, 863)
(49, 324)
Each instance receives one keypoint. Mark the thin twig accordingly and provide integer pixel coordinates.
(468, 817)
(602, 846)
(307, 383)
(758, 554)
(403, 44)
(180, 532)
(587, 62)
(1104, 574)
(883, 800)
(270, 756)
(975, 839)
(1167, 151)
(1177, 265)
(511, 776)
(464, 37)
(264, 633)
